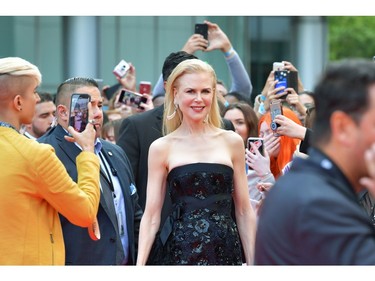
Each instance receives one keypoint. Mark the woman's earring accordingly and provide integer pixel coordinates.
(171, 116)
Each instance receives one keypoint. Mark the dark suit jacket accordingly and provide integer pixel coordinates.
(80, 249)
(136, 134)
(312, 216)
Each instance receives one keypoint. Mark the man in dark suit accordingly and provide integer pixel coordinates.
(312, 215)
(119, 213)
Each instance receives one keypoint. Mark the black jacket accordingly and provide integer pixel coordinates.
(312, 216)
(79, 248)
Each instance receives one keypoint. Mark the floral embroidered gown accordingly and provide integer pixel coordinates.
(201, 230)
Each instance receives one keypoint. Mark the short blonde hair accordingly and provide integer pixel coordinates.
(187, 67)
(15, 66)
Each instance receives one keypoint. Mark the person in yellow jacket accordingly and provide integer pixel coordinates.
(34, 185)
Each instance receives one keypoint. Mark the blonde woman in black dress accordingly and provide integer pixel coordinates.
(202, 167)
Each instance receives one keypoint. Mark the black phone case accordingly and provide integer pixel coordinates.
(202, 28)
(291, 78)
(109, 92)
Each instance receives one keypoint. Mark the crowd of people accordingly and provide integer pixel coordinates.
(175, 179)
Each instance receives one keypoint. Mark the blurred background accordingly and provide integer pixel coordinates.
(67, 46)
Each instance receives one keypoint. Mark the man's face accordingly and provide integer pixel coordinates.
(221, 90)
(365, 134)
(43, 118)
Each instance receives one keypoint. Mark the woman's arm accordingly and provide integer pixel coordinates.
(156, 188)
(245, 215)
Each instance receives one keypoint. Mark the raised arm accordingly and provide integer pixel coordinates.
(218, 40)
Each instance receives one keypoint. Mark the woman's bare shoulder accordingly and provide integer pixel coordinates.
(231, 137)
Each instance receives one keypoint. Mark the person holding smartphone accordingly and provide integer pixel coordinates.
(119, 213)
(258, 171)
(312, 215)
(34, 184)
(217, 40)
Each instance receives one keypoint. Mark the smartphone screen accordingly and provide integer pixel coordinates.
(258, 143)
(202, 28)
(145, 87)
(131, 98)
(79, 112)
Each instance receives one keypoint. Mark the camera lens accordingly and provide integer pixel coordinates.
(273, 126)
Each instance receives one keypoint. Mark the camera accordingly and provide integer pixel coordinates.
(287, 79)
(202, 28)
(131, 98)
(275, 109)
(121, 68)
(79, 111)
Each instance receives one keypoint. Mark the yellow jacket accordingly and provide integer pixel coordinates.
(34, 187)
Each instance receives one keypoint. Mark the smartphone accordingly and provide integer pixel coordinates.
(286, 78)
(202, 28)
(79, 111)
(109, 92)
(131, 98)
(121, 68)
(281, 76)
(259, 143)
(277, 66)
(275, 109)
(145, 87)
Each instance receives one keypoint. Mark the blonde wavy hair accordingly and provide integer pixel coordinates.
(188, 67)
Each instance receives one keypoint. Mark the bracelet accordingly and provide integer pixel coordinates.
(261, 109)
(262, 97)
(229, 53)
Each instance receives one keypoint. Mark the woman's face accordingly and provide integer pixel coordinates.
(271, 143)
(238, 119)
(193, 94)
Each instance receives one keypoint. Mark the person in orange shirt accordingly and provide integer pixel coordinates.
(34, 184)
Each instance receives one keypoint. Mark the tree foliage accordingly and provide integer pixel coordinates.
(351, 37)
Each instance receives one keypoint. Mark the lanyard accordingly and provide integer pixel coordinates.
(7, 125)
(111, 186)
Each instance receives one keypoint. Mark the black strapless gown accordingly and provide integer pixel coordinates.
(202, 230)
